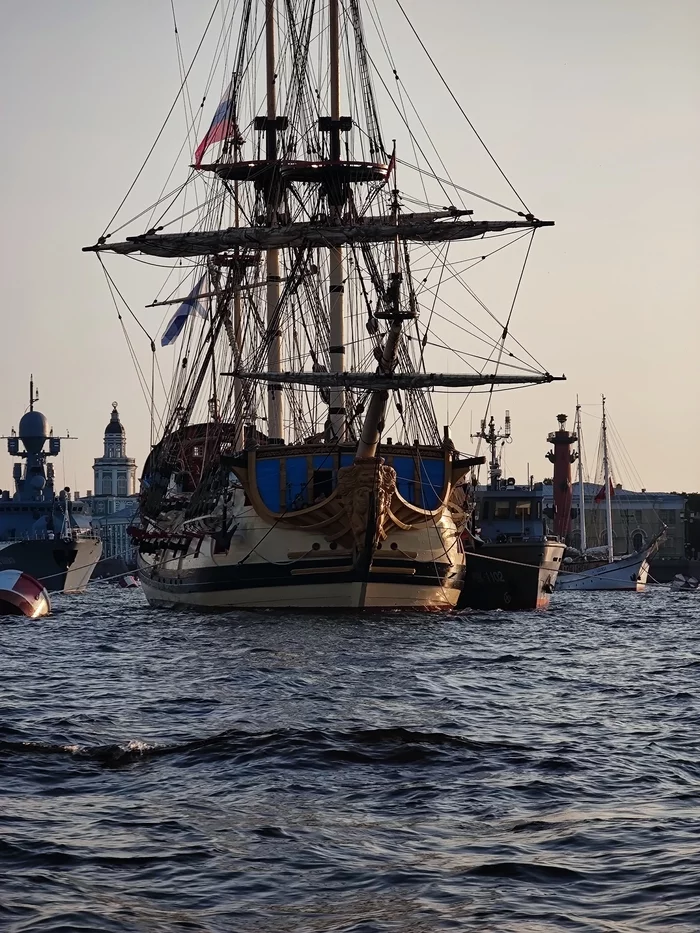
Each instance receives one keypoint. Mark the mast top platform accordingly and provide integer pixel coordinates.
(316, 172)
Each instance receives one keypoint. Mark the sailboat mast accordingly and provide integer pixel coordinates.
(608, 503)
(337, 273)
(581, 494)
(275, 399)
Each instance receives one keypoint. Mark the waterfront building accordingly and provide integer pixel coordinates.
(115, 501)
(636, 516)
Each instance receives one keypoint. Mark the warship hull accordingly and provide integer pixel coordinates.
(61, 566)
(517, 575)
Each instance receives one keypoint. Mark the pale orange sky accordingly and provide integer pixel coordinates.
(591, 108)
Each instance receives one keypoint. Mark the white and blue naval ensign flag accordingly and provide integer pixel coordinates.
(191, 305)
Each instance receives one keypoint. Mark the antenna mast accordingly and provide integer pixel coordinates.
(492, 437)
(32, 397)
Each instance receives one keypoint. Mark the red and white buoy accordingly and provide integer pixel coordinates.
(21, 594)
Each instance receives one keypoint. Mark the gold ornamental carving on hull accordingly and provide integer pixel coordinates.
(357, 485)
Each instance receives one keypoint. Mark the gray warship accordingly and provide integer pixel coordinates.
(43, 532)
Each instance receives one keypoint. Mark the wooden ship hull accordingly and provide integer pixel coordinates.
(313, 529)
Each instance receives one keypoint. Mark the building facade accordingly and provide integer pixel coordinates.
(114, 502)
(636, 516)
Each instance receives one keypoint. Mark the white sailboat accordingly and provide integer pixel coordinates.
(274, 483)
(629, 572)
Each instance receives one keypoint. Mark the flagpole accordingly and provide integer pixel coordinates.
(608, 502)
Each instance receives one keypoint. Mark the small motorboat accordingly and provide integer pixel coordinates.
(128, 581)
(21, 594)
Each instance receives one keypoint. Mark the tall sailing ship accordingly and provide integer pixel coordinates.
(301, 462)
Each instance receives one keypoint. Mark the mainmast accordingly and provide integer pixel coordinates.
(335, 253)
(275, 399)
(237, 334)
(581, 494)
(606, 479)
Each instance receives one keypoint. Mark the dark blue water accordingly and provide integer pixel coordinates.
(493, 772)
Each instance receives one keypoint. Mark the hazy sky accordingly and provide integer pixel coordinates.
(592, 108)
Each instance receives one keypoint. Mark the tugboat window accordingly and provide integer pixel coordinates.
(501, 509)
(523, 509)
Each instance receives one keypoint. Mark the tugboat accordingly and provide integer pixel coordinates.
(44, 534)
(512, 562)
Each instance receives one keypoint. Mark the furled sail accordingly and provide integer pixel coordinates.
(203, 243)
(379, 382)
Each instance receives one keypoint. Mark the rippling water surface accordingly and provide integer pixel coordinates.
(494, 772)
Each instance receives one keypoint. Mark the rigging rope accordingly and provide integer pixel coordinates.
(459, 106)
(165, 122)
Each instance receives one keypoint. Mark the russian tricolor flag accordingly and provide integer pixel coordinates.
(191, 305)
(222, 126)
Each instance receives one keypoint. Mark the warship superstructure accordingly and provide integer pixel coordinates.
(42, 531)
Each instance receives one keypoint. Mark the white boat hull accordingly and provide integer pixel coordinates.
(624, 574)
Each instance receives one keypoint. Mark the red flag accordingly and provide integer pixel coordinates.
(600, 495)
(222, 127)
